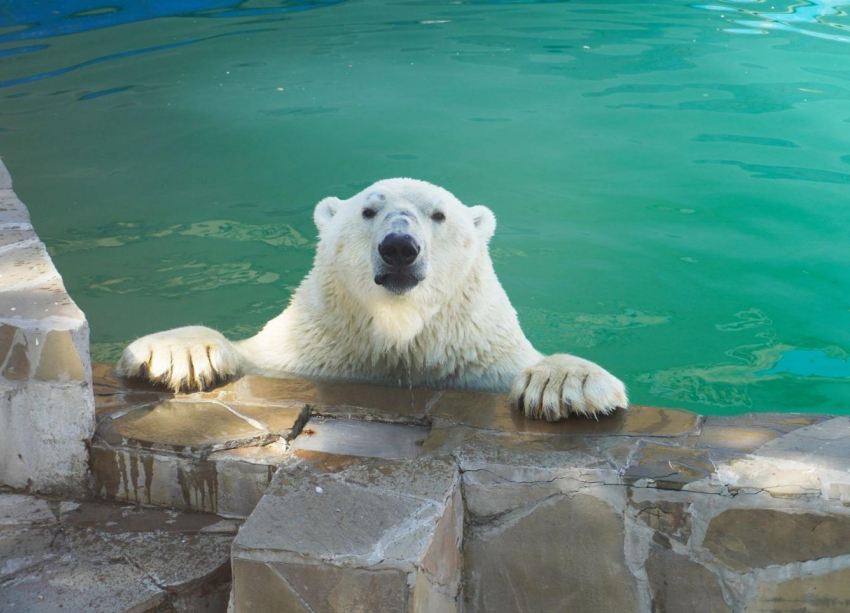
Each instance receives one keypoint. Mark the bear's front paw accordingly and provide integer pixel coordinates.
(560, 385)
(184, 359)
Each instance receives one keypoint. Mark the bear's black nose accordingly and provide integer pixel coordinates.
(398, 249)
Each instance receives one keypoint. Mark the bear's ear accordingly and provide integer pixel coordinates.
(484, 220)
(325, 210)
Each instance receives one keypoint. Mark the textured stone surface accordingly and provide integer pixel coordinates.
(668, 466)
(754, 538)
(828, 593)
(680, 585)
(15, 233)
(372, 499)
(22, 510)
(183, 424)
(324, 516)
(357, 438)
(23, 548)
(331, 589)
(336, 399)
(273, 587)
(190, 452)
(822, 445)
(25, 264)
(225, 484)
(12, 210)
(565, 555)
(429, 597)
(281, 421)
(46, 403)
(43, 440)
(493, 411)
(103, 586)
(669, 519)
(59, 360)
(103, 558)
(355, 539)
(746, 433)
(753, 474)
(259, 588)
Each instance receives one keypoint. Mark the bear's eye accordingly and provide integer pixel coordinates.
(438, 216)
(369, 213)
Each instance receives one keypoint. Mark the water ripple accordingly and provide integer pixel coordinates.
(816, 18)
(63, 17)
(120, 56)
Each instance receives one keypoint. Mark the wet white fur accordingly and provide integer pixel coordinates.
(456, 329)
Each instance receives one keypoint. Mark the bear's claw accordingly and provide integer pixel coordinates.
(561, 385)
(184, 359)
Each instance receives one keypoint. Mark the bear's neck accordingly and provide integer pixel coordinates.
(471, 329)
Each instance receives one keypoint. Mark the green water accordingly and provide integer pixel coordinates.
(671, 181)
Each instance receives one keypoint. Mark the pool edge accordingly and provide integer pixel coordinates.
(46, 399)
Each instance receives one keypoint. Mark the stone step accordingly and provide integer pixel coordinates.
(192, 452)
(66, 556)
(217, 451)
(350, 533)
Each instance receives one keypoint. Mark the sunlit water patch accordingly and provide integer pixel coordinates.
(825, 19)
(671, 180)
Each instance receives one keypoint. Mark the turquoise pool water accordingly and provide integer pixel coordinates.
(671, 180)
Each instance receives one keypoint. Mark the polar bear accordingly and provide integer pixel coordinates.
(402, 292)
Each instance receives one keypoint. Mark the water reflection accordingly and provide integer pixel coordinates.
(28, 20)
(729, 384)
(123, 233)
(808, 363)
(119, 56)
(746, 98)
(810, 18)
(766, 171)
(180, 278)
(585, 330)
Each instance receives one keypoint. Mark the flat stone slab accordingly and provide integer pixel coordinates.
(193, 452)
(358, 438)
(133, 415)
(826, 593)
(344, 400)
(364, 535)
(88, 556)
(494, 412)
(744, 539)
(184, 426)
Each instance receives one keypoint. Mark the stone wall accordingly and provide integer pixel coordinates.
(46, 401)
(370, 499)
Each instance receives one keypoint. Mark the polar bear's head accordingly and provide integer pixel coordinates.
(402, 248)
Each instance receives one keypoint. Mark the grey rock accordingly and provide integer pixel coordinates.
(681, 585)
(828, 593)
(103, 557)
(744, 539)
(89, 585)
(566, 554)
